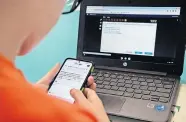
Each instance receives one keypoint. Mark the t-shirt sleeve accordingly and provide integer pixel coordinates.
(22, 102)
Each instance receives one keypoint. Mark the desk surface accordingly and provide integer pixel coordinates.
(59, 44)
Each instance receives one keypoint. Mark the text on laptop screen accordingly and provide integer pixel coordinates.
(132, 33)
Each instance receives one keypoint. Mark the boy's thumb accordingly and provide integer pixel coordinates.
(78, 96)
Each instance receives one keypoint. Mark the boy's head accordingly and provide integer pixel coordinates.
(31, 19)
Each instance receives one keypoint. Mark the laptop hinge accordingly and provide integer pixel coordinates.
(132, 70)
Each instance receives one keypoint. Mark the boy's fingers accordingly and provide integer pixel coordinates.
(91, 95)
(93, 86)
(50, 75)
(90, 81)
(78, 97)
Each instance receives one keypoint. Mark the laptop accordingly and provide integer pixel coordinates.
(138, 49)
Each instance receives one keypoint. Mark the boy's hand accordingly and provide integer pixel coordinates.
(46, 80)
(91, 102)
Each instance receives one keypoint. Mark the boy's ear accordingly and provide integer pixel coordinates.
(27, 44)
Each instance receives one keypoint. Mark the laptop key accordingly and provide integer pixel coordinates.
(122, 89)
(114, 80)
(159, 85)
(168, 86)
(157, 81)
(141, 79)
(113, 84)
(155, 99)
(146, 92)
(130, 90)
(112, 92)
(158, 94)
(120, 77)
(171, 79)
(93, 74)
(99, 81)
(156, 77)
(114, 88)
(99, 74)
(127, 78)
(100, 78)
(143, 83)
(164, 100)
(130, 74)
(107, 87)
(113, 76)
(128, 81)
(121, 80)
(141, 76)
(150, 80)
(100, 86)
(152, 88)
(128, 85)
(144, 87)
(167, 83)
(137, 96)
(146, 97)
(137, 91)
(165, 78)
(107, 79)
(136, 82)
(151, 84)
(106, 75)
(136, 86)
(125, 74)
(161, 78)
(119, 93)
(163, 90)
(134, 78)
(116, 73)
(106, 83)
(126, 94)
(121, 84)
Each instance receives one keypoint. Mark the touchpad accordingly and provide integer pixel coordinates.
(112, 104)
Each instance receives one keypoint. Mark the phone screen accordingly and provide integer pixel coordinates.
(72, 75)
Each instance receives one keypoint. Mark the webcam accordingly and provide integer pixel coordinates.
(130, 1)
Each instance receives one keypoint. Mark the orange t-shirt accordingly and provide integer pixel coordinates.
(22, 102)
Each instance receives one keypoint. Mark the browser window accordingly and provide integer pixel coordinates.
(129, 38)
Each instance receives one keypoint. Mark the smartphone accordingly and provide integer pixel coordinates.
(72, 74)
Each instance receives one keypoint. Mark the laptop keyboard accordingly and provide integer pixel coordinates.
(137, 86)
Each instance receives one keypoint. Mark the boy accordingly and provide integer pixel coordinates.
(22, 24)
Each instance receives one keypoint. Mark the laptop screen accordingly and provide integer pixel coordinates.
(147, 34)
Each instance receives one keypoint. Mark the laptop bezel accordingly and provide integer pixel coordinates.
(176, 69)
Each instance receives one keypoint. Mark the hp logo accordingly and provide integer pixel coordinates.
(125, 64)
